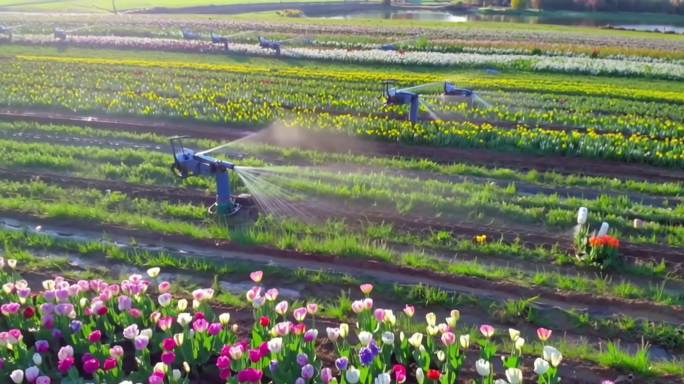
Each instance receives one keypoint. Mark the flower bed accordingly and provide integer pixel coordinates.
(138, 331)
(562, 64)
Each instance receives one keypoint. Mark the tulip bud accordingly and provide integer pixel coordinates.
(582, 215)
(604, 229)
(37, 359)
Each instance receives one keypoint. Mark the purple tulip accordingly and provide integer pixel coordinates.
(75, 326)
(300, 381)
(342, 363)
(366, 356)
(141, 342)
(42, 346)
(308, 372)
(273, 367)
(215, 329)
(302, 359)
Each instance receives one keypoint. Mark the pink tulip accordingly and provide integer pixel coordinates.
(448, 338)
(164, 287)
(65, 365)
(299, 314)
(215, 328)
(271, 294)
(109, 364)
(250, 375)
(487, 330)
(409, 310)
(91, 366)
(256, 276)
(10, 308)
(283, 329)
(156, 378)
(281, 308)
(380, 315)
(43, 380)
(543, 334)
(254, 355)
(165, 323)
(200, 325)
(368, 303)
(223, 362)
(95, 336)
(312, 308)
(116, 352)
(168, 358)
(366, 288)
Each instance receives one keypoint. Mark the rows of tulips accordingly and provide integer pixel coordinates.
(139, 331)
(259, 98)
(141, 25)
(564, 64)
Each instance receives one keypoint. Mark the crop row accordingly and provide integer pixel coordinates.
(541, 63)
(639, 190)
(91, 206)
(491, 35)
(238, 98)
(423, 195)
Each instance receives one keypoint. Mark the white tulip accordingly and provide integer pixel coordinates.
(604, 229)
(482, 367)
(365, 338)
(352, 375)
(552, 355)
(420, 375)
(383, 378)
(514, 375)
(465, 341)
(582, 215)
(541, 366)
(416, 340)
(514, 333)
(519, 343)
(388, 338)
(37, 359)
(17, 376)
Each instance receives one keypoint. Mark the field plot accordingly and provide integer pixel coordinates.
(534, 216)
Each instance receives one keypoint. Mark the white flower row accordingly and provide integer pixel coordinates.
(564, 64)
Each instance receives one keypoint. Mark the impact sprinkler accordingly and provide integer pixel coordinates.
(189, 163)
(218, 39)
(394, 96)
(270, 44)
(60, 34)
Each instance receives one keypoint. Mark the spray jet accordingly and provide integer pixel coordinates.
(190, 35)
(411, 96)
(225, 40)
(61, 33)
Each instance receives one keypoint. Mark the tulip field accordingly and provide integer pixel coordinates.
(533, 236)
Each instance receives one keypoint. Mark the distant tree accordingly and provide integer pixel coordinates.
(518, 4)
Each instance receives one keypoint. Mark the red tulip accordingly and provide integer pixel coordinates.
(265, 321)
(434, 374)
(29, 312)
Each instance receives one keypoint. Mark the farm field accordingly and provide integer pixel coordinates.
(527, 229)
